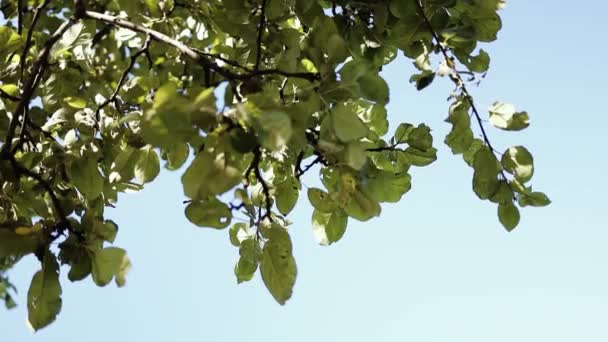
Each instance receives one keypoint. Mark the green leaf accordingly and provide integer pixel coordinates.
(504, 193)
(460, 137)
(375, 118)
(177, 156)
(9, 40)
(44, 295)
(503, 116)
(240, 232)
(66, 41)
(108, 263)
(420, 158)
(276, 129)
(105, 230)
(11, 89)
(210, 213)
(75, 102)
(534, 199)
(287, 193)
(169, 121)
(278, 267)
(346, 124)
(355, 155)
(147, 166)
(13, 244)
(329, 227)
(361, 206)
(337, 51)
(479, 63)
(207, 166)
(86, 177)
(374, 88)
(508, 214)
(420, 138)
(403, 132)
(81, 269)
(423, 80)
(321, 200)
(485, 178)
(471, 152)
(251, 254)
(519, 162)
(388, 186)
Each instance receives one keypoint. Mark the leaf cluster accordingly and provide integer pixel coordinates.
(244, 97)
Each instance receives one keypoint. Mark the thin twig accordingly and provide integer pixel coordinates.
(123, 77)
(19, 16)
(258, 58)
(225, 60)
(300, 172)
(59, 210)
(255, 165)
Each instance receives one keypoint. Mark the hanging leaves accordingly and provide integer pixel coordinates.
(44, 295)
(246, 100)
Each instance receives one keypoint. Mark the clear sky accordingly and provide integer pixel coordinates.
(435, 267)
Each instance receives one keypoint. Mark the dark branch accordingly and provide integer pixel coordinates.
(258, 58)
(59, 210)
(255, 166)
(383, 149)
(123, 77)
(32, 83)
(28, 39)
(19, 16)
(300, 172)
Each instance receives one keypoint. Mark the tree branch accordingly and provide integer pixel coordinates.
(192, 53)
(255, 166)
(258, 57)
(28, 39)
(31, 85)
(457, 77)
(58, 207)
(19, 16)
(300, 171)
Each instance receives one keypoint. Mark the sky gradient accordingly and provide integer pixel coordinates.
(436, 267)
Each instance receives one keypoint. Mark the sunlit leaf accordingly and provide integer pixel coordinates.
(44, 295)
(278, 266)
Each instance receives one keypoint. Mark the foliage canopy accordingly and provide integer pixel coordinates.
(246, 96)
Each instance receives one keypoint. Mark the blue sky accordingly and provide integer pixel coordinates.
(435, 267)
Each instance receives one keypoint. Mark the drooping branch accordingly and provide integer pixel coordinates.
(192, 53)
(456, 77)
